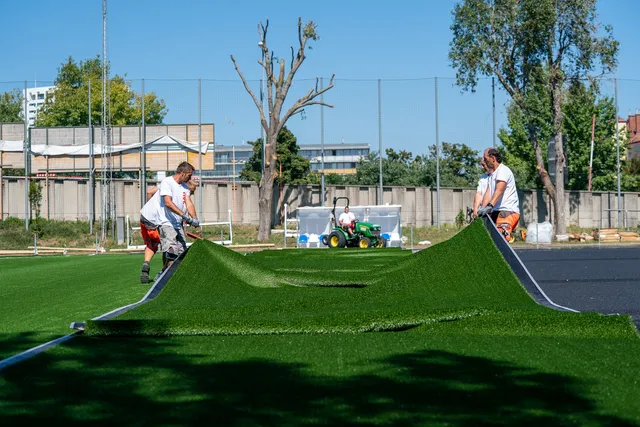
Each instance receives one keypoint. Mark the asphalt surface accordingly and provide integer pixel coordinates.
(604, 280)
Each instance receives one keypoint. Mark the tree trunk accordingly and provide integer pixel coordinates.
(542, 171)
(558, 205)
(265, 204)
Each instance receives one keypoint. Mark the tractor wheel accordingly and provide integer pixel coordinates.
(381, 243)
(325, 240)
(337, 240)
(364, 243)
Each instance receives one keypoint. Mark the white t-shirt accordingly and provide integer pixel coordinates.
(483, 183)
(151, 210)
(509, 201)
(179, 194)
(346, 218)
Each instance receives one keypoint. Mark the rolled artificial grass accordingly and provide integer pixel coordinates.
(219, 292)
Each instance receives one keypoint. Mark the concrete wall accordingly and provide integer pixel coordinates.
(68, 199)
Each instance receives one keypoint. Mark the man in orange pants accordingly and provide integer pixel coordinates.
(502, 201)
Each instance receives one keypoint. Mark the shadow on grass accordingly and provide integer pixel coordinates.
(14, 343)
(142, 381)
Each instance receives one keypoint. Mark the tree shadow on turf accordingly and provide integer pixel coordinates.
(152, 382)
(14, 343)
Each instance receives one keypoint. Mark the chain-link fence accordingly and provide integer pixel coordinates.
(403, 114)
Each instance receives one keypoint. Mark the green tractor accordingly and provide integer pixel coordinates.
(363, 234)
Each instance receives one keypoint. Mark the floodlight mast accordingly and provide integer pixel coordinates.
(107, 205)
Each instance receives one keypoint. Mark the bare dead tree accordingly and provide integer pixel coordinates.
(273, 120)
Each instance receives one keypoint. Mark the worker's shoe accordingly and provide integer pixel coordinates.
(144, 275)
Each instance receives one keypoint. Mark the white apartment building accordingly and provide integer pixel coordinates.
(35, 99)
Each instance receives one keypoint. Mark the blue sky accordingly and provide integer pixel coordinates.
(403, 43)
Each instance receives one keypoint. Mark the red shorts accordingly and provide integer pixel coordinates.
(507, 222)
(151, 237)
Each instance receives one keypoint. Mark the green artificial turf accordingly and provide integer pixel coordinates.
(40, 297)
(217, 291)
(501, 360)
(452, 373)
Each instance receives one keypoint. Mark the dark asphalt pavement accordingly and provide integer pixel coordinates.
(605, 280)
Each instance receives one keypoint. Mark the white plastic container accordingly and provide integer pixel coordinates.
(540, 233)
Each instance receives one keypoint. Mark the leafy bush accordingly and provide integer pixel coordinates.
(460, 219)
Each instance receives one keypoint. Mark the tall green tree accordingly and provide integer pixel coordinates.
(581, 103)
(276, 115)
(295, 168)
(398, 168)
(68, 104)
(532, 42)
(459, 167)
(11, 106)
(459, 164)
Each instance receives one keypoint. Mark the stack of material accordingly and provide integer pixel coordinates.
(584, 237)
(629, 236)
(606, 235)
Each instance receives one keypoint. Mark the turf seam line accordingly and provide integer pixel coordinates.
(27, 354)
(153, 292)
(520, 270)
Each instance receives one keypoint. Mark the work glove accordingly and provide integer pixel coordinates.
(186, 218)
(485, 210)
(194, 222)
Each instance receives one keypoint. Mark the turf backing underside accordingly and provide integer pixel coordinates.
(216, 291)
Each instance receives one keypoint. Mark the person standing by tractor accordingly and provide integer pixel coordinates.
(483, 186)
(347, 221)
(502, 202)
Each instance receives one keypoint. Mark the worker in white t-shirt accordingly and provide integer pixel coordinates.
(483, 186)
(347, 221)
(503, 204)
(150, 224)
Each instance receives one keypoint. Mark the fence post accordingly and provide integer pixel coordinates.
(25, 150)
(230, 228)
(617, 150)
(285, 225)
(143, 169)
(321, 145)
(200, 148)
(437, 156)
(493, 97)
(92, 198)
(380, 135)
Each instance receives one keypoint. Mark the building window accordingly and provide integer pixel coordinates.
(41, 96)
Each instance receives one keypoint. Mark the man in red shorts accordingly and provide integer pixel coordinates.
(149, 225)
(502, 203)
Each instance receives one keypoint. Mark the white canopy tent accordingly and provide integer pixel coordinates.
(85, 150)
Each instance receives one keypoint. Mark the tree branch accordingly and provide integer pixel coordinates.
(307, 100)
(253, 96)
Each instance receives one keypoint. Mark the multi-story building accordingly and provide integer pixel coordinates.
(338, 158)
(631, 125)
(229, 161)
(35, 100)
